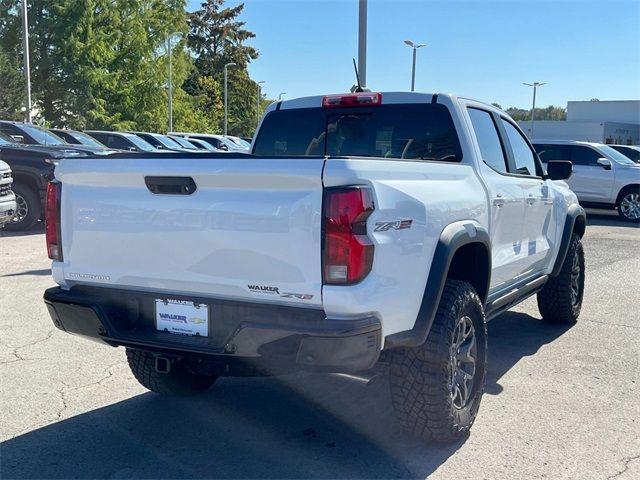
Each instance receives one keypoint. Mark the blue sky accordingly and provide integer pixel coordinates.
(476, 48)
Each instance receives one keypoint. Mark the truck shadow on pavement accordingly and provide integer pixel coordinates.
(38, 229)
(298, 426)
(607, 218)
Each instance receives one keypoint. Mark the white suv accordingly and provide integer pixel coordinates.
(602, 177)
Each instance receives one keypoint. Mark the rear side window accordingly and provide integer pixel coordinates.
(522, 154)
(404, 131)
(552, 152)
(488, 139)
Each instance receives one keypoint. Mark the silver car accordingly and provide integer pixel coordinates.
(602, 177)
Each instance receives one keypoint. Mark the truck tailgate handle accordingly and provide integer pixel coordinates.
(170, 185)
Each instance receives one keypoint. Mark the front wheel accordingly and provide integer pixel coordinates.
(436, 388)
(629, 204)
(180, 380)
(28, 209)
(560, 301)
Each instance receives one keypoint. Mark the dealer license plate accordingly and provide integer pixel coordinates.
(182, 317)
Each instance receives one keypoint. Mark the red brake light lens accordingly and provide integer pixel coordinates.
(52, 221)
(348, 252)
(362, 99)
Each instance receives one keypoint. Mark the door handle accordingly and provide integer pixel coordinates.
(531, 199)
(498, 201)
(170, 185)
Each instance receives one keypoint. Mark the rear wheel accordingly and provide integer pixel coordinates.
(629, 204)
(436, 388)
(180, 380)
(28, 209)
(560, 301)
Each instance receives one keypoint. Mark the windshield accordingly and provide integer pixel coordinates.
(140, 143)
(406, 131)
(42, 136)
(184, 143)
(85, 139)
(616, 155)
(629, 152)
(238, 141)
(168, 142)
(6, 139)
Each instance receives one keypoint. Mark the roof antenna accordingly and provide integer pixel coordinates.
(357, 87)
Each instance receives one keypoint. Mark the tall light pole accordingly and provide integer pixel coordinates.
(258, 103)
(362, 42)
(226, 110)
(169, 38)
(414, 46)
(281, 94)
(535, 85)
(27, 69)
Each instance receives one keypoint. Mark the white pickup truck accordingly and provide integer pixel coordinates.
(362, 230)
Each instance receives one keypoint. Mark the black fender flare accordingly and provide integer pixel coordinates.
(453, 237)
(576, 221)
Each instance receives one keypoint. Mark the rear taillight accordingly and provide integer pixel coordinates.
(52, 221)
(348, 252)
(364, 99)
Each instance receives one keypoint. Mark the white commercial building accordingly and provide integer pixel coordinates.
(616, 121)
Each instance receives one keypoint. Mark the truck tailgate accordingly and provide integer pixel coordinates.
(250, 231)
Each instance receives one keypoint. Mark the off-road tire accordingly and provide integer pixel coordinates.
(179, 381)
(33, 205)
(633, 192)
(556, 302)
(421, 378)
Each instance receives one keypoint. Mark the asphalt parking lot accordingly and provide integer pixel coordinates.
(561, 402)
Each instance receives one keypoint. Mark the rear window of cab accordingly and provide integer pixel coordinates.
(404, 131)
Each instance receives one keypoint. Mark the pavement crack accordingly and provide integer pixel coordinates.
(625, 466)
(16, 351)
(62, 392)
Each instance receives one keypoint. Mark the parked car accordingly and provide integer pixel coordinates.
(630, 151)
(32, 167)
(74, 137)
(369, 230)
(194, 143)
(239, 141)
(7, 197)
(29, 133)
(220, 142)
(602, 177)
(123, 141)
(163, 142)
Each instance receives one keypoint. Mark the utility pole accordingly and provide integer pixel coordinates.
(535, 85)
(258, 102)
(362, 42)
(226, 110)
(27, 69)
(414, 46)
(171, 79)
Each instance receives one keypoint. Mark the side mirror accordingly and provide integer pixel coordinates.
(605, 163)
(18, 138)
(223, 147)
(559, 169)
(132, 149)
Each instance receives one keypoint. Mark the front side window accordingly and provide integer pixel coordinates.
(525, 161)
(403, 131)
(488, 139)
(585, 156)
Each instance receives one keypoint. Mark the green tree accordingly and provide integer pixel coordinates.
(12, 88)
(217, 37)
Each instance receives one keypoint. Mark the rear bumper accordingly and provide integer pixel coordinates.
(243, 337)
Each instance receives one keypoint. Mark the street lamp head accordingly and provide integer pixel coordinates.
(260, 82)
(230, 64)
(415, 45)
